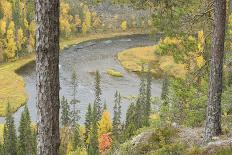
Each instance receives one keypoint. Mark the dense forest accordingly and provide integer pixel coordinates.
(191, 60)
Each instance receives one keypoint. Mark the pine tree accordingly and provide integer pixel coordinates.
(88, 123)
(25, 139)
(98, 93)
(10, 138)
(65, 112)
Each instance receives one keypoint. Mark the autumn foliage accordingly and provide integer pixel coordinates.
(105, 142)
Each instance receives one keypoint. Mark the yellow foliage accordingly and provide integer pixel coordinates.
(31, 45)
(7, 9)
(170, 41)
(77, 21)
(2, 27)
(200, 61)
(201, 41)
(124, 25)
(81, 151)
(20, 39)
(11, 45)
(155, 116)
(96, 22)
(87, 18)
(84, 28)
(26, 24)
(105, 124)
(65, 19)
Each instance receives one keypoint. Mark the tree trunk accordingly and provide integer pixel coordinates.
(213, 124)
(47, 73)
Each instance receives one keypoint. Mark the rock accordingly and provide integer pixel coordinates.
(142, 138)
(175, 125)
(108, 42)
(215, 138)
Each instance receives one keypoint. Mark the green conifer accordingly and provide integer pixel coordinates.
(116, 130)
(25, 139)
(75, 112)
(65, 112)
(93, 145)
(10, 138)
(148, 97)
(88, 123)
(98, 93)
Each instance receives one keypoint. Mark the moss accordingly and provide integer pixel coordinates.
(132, 60)
(114, 73)
(12, 89)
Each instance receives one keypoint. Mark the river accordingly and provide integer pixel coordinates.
(86, 58)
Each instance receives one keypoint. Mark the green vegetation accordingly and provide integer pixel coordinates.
(114, 73)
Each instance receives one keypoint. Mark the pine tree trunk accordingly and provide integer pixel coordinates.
(213, 124)
(47, 73)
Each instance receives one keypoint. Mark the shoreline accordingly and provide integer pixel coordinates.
(14, 88)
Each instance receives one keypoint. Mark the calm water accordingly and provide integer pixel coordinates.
(86, 58)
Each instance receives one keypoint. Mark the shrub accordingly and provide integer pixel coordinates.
(124, 25)
(114, 73)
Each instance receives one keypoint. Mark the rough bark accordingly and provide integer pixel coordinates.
(47, 74)
(213, 124)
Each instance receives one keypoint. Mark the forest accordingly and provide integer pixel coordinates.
(115, 77)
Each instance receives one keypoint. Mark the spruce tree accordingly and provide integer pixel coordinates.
(93, 145)
(148, 97)
(105, 106)
(75, 112)
(1, 149)
(88, 123)
(130, 124)
(116, 130)
(76, 142)
(10, 138)
(98, 93)
(65, 112)
(140, 105)
(164, 92)
(25, 139)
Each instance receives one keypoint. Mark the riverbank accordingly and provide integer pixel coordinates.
(132, 60)
(12, 89)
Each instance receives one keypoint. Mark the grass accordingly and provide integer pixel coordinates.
(1, 132)
(114, 73)
(132, 60)
(12, 85)
(12, 89)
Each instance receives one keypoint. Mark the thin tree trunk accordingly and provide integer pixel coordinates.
(47, 73)
(213, 124)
